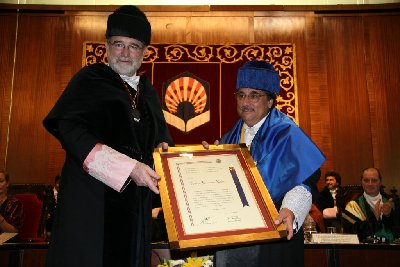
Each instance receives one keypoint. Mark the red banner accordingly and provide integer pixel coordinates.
(196, 83)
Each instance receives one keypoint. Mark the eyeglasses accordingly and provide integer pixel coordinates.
(120, 46)
(253, 97)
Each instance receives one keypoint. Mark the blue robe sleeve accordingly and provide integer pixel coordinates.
(284, 154)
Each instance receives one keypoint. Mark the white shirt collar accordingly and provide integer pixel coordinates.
(250, 132)
(133, 81)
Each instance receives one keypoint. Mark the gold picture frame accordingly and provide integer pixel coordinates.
(214, 197)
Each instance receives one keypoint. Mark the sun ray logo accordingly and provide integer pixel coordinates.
(186, 102)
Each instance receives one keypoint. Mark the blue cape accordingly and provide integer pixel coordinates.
(284, 154)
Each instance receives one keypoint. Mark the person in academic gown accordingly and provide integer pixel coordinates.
(287, 160)
(108, 120)
(11, 208)
(326, 200)
(371, 216)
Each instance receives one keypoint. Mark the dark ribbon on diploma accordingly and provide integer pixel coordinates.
(238, 186)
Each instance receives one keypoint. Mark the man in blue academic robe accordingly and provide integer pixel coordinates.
(286, 158)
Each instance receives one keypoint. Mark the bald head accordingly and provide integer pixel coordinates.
(371, 181)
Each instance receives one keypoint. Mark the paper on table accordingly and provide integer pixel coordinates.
(335, 238)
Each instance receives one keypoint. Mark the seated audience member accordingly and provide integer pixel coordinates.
(326, 200)
(11, 209)
(371, 215)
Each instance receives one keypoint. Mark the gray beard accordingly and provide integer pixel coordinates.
(128, 72)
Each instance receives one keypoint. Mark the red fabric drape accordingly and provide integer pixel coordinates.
(214, 67)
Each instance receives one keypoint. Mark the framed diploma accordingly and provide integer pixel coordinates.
(214, 197)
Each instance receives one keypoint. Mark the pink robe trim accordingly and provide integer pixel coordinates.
(109, 166)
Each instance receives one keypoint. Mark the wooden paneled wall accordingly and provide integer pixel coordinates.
(348, 74)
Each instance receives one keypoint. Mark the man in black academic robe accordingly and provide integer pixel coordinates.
(108, 128)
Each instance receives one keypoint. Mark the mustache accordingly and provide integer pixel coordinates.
(246, 108)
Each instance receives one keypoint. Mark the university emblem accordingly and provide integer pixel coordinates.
(186, 102)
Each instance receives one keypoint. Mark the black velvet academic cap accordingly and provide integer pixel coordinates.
(129, 21)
